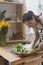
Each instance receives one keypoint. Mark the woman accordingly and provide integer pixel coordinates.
(31, 21)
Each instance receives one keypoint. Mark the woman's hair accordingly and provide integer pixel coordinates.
(28, 16)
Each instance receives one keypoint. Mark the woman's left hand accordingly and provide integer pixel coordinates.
(40, 46)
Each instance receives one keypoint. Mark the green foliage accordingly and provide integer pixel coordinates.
(2, 14)
(16, 18)
(19, 48)
(4, 30)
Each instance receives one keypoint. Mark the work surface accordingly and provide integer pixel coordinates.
(13, 58)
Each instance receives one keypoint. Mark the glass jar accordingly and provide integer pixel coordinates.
(2, 40)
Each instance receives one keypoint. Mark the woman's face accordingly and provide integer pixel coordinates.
(31, 23)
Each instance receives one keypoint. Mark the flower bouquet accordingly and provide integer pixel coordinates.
(3, 29)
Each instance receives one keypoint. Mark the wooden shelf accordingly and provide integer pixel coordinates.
(7, 2)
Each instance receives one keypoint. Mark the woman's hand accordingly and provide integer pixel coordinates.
(40, 46)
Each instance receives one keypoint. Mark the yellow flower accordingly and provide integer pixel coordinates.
(4, 23)
(1, 25)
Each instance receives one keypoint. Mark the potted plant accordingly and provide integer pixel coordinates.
(3, 28)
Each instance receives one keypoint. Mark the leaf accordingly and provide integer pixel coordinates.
(2, 14)
(4, 30)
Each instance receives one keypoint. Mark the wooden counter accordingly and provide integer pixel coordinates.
(14, 59)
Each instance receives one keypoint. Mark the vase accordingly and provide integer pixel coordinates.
(2, 40)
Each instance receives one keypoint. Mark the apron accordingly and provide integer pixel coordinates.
(30, 36)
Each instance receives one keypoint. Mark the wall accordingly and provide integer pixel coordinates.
(32, 5)
(10, 9)
(41, 9)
